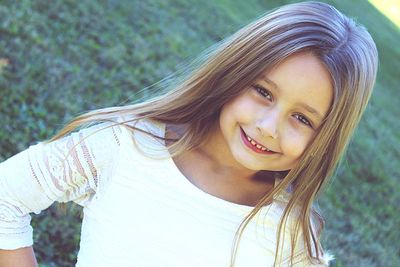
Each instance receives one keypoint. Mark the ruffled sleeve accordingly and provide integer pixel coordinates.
(73, 168)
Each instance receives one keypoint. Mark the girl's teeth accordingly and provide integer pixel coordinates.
(257, 145)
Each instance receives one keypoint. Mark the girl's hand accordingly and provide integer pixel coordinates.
(22, 257)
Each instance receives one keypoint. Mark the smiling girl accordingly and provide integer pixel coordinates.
(220, 171)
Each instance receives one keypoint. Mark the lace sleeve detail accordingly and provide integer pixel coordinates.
(69, 169)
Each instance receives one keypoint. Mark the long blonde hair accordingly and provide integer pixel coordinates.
(344, 47)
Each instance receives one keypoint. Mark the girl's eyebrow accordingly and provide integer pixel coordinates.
(311, 110)
(303, 105)
(265, 78)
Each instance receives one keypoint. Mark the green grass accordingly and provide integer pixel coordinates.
(391, 9)
(61, 59)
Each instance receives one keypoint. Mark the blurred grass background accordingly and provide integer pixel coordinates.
(61, 58)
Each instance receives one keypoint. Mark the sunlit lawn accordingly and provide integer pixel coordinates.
(390, 8)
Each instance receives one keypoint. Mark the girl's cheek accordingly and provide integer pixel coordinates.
(244, 108)
(294, 144)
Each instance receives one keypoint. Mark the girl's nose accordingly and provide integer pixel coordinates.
(268, 124)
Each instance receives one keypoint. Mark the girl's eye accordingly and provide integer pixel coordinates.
(263, 92)
(303, 120)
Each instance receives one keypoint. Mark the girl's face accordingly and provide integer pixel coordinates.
(270, 124)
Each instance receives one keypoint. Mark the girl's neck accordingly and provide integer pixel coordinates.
(219, 176)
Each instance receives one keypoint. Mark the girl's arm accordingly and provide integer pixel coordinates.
(68, 169)
(23, 257)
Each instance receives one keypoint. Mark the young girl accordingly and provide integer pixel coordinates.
(220, 171)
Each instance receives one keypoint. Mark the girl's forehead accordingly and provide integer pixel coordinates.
(302, 78)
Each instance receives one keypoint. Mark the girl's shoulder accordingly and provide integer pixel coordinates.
(133, 125)
(144, 135)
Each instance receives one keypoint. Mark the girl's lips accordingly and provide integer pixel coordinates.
(254, 147)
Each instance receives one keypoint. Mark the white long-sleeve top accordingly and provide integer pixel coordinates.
(138, 211)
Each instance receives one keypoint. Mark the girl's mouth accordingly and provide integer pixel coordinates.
(253, 145)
